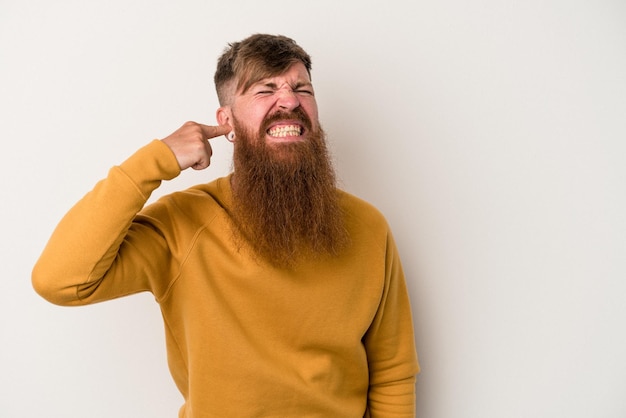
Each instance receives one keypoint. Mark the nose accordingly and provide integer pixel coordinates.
(287, 99)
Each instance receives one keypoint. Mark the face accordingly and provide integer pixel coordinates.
(281, 109)
(284, 195)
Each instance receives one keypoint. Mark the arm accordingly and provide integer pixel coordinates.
(390, 347)
(101, 249)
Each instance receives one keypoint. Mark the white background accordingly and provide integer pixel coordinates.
(492, 134)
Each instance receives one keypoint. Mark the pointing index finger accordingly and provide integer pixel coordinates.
(214, 131)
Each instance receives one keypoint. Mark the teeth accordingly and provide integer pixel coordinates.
(283, 131)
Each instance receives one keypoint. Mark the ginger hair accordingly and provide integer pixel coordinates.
(257, 57)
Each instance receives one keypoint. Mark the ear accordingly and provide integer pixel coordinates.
(224, 115)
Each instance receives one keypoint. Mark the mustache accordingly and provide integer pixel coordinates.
(296, 114)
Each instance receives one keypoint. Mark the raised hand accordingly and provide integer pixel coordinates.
(190, 144)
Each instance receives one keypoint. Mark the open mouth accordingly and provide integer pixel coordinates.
(284, 131)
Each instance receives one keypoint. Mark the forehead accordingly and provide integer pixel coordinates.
(295, 74)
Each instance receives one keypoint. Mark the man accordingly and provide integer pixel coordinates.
(281, 295)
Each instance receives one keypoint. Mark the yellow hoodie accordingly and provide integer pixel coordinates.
(331, 337)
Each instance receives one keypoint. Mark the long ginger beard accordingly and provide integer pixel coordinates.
(285, 198)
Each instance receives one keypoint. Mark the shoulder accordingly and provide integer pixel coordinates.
(362, 214)
(197, 204)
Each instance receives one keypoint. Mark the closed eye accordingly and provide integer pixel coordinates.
(263, 89)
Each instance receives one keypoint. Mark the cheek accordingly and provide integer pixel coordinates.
(250, 119)
(311, 110)
(309, 104)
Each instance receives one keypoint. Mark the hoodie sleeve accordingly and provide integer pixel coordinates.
(99, 250)
(390, 346)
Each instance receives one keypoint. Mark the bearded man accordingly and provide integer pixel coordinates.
(281, 295)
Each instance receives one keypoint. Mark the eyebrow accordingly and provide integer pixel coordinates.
(296, 86)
